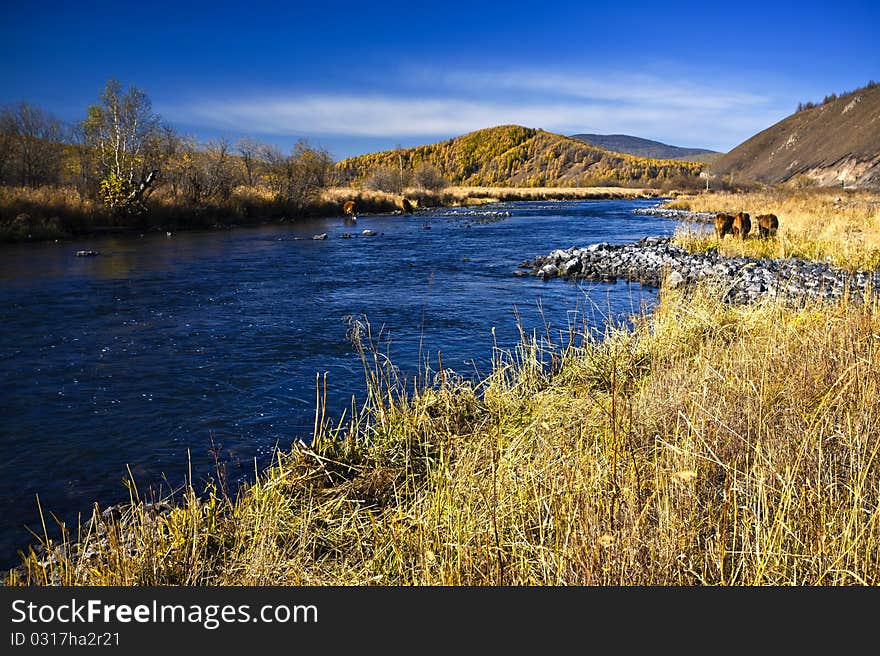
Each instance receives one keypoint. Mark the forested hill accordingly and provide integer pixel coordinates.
(833, 142)
(512, 155)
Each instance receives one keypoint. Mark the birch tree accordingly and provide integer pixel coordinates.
(123, 132)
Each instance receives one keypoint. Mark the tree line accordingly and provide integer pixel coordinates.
(121, 154)
(831, 97)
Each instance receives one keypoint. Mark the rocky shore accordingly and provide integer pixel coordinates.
(677, 215)
(651, 260)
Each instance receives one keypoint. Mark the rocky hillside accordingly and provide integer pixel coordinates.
(624, 143)
(515, 156)
(836, 142)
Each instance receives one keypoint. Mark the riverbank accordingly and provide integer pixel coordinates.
(52, 213)
(743, 279)
(713, 444)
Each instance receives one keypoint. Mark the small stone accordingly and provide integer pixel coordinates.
(548, 271)
(674, 280)
(571, 267)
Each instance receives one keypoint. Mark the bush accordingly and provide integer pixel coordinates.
(387, 179)
(428, 177)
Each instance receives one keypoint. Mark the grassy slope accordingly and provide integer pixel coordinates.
(820, 138)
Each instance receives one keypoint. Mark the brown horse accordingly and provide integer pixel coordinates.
(348, 210)
(723, 225)
(767, 225)
(742, 224)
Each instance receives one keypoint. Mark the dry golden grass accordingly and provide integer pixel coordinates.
(842, 227)
(455, 196)
(49, 196)
(551, 193)
(42, 212)
(712, 445)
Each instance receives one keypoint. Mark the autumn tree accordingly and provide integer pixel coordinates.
(124, 135)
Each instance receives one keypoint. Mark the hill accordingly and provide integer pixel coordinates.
(624, 143)
(515, 156)
(834, 143)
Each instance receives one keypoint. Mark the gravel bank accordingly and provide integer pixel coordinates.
(745, 279)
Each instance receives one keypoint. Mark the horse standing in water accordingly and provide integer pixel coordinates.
(348, 210)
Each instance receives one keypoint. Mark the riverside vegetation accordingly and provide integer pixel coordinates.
(122, 168)
(709, 444)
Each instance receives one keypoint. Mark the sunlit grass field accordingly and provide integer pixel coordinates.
(829, 225)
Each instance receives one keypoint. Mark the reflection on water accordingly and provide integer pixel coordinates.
(142, 356)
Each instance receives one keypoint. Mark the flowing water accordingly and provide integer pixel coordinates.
(143, 357)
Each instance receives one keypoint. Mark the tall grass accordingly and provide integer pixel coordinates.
(710, 445)
(841, 227)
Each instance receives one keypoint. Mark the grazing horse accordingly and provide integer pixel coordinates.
(742, 224)
(723, 225)
(348, 210)
(767, 225)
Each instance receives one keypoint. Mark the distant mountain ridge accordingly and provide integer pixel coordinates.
(624, 143)
(834, 143)
(516, 156)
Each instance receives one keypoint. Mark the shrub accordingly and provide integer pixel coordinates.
(387, 179)
(428, 177)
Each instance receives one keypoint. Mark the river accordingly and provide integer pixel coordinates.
(143, 356)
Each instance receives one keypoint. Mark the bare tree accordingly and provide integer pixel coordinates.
(211, 175)
(428, 177)
(296, 178)
(391, 180)
(249, 150)
(30, 147)
(8, 137)
(83, 173)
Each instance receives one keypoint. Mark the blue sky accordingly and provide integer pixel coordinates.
(356, 77)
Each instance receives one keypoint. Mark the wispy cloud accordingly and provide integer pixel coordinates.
(687, 112)
(629, 88)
